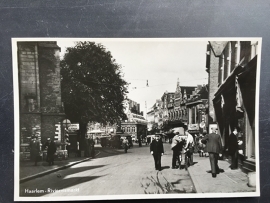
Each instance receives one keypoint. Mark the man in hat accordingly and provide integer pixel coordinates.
(34, 149)
(51, 149)
(214, 148)
(232, 148)
(157, 150)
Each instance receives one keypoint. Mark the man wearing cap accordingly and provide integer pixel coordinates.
(51, 149)
(214, 148)
(157, 150)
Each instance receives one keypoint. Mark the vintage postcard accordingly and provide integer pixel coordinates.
(112, 118)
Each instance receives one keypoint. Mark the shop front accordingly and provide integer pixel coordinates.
(234, 105)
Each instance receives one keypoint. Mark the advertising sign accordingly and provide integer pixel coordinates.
(74, 126)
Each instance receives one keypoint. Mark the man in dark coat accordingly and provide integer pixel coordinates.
(34, 149)
(176, 146)
(51, 149)
(232, 148)
(157, 150)
(214, 148)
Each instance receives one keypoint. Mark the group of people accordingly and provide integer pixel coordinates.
(178, 145)
(35, 150)
(182, 145)
(211, 143)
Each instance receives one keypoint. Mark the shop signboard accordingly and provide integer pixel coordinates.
(193, 126)
(74, 127)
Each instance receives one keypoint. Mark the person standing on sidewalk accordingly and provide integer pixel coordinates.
(214, 148)
(175, 146)
(125, 144)
(34, 149)
(189, 149)
(157, 150)
(51, 149)
(232, 148)
(92, 151)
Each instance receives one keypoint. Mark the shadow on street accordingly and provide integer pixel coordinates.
(58, 182)
(107, 152)
(165, 167)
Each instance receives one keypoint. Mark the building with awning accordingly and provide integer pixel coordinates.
(232, 66)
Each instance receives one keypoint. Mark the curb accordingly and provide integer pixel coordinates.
(54, 170)
(194, 181)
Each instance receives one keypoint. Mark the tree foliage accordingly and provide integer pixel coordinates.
(92, 84)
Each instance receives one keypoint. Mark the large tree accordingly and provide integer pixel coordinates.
(92, 85)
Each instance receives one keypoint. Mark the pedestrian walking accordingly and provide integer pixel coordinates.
(176, 146)
(92, 150)
(201, 146)
(189, 149)
(51, 149)
(34, 149)
(157, 150)
(140, 141)
(214, 148)
(125, 144)
(232, 148)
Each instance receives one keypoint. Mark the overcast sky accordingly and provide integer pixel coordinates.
(158, 61)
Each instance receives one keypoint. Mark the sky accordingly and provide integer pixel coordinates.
(160, 62)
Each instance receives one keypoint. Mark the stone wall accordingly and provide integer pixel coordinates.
(29, 78)
(50, 84)
(213, 84)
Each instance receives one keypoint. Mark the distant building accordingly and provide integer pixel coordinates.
(197, 107)
(170, 111)
(135, 124)
(177, 107)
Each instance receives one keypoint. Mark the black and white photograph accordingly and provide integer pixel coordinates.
(136, 118)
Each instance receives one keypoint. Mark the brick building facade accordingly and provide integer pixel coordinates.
(39, 91)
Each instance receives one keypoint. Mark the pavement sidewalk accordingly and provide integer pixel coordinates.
(29, 171)
(225, 182)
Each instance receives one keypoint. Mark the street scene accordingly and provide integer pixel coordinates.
(100, 118)
(114, 172)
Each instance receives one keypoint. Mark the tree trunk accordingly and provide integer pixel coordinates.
(83, 131)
